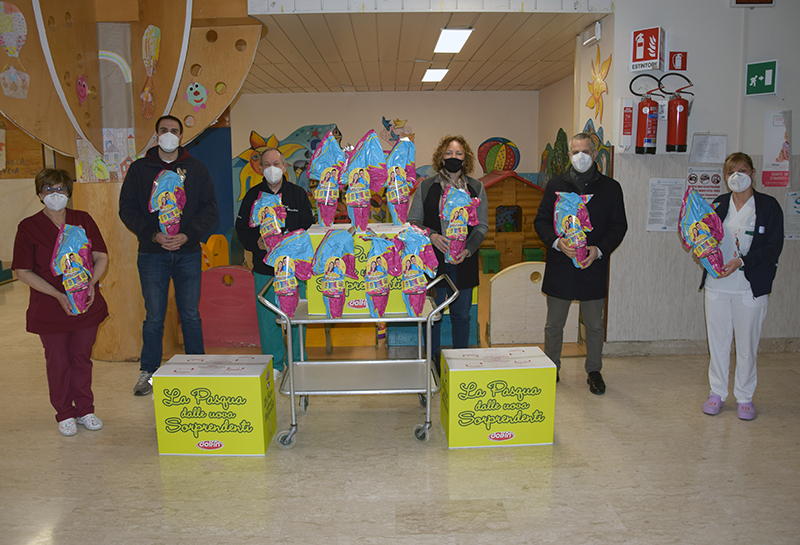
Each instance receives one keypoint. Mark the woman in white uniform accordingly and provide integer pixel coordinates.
(736, 302)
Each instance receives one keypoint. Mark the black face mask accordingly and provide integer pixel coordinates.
(452, 164)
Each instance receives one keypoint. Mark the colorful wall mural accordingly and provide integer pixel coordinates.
(496, 153)
(598, 86)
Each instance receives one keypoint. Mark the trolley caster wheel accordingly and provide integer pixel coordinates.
(285, 440)
(421, 433)
(423, 401)
(303, 404)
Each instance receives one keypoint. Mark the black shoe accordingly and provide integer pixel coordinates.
(558, 378)
(596, 384)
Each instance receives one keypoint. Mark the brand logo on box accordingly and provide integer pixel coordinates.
(501, 436)
(210, 445)
(357, 304)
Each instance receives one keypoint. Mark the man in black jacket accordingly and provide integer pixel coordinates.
(563, 281)
(163, 256)
(298, 216)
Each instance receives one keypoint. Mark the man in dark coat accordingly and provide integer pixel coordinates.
(165, 256)
(563, 281)
(298, 216)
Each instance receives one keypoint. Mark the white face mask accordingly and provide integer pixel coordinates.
(581, 162)
(168, 142)
(273, 174)
(739, 181)
(55, 201)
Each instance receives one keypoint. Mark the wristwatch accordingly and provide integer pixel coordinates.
(153, 237)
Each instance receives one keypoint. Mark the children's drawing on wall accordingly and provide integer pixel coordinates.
(89, 165)
(598, 86)
(13, 35)
(603, 158)
(119, 152)
(151, 49)
(395, 129)
(196, 95)
(82, 89)
(498, 154)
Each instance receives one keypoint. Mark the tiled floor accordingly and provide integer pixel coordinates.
(639, 465)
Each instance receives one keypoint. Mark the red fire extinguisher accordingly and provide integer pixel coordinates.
(646, 125)
(647, 112)
(678, 109)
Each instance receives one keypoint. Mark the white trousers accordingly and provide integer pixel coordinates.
(729, 315)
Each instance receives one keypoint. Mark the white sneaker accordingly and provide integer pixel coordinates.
(67, 427)
(90, 422)
(276, 375)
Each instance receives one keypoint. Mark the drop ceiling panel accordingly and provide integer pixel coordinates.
(335, 52)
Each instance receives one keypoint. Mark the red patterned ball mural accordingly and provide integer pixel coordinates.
(498, 154)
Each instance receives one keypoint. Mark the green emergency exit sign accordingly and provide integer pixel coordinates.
(762, 78)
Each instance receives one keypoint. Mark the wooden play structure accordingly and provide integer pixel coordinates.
(76, 71)
(513, 202)
(518, 308)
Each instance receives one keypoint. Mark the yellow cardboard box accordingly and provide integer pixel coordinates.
(215, 405)
(356, 302)
(495, 397)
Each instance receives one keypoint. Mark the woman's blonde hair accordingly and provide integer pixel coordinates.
(735, 159)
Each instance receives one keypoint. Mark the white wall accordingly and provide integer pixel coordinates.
(476, 115)
(18, 200)
(653, 287)
(555, 111)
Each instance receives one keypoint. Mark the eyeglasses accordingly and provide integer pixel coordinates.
(54, 189)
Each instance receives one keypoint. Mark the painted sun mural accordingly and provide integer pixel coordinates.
(598, 85)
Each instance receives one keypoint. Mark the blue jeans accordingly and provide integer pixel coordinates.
(459, 313)
(270, 333)
(155, 272)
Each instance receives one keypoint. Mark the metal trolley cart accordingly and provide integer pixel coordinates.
(331, 377)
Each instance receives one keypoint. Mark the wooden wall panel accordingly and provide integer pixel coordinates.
(24, 155)
(215, 70)
(170, 19)
(71, 39)
(120, 336)
(37, 110)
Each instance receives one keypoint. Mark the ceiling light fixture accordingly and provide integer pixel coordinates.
(434, 75)
(451, 40)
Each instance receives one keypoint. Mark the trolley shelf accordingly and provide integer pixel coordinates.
(329, 377)
(363, 377)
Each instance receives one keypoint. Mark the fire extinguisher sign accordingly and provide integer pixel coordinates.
(647, 49)
(677, 61)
